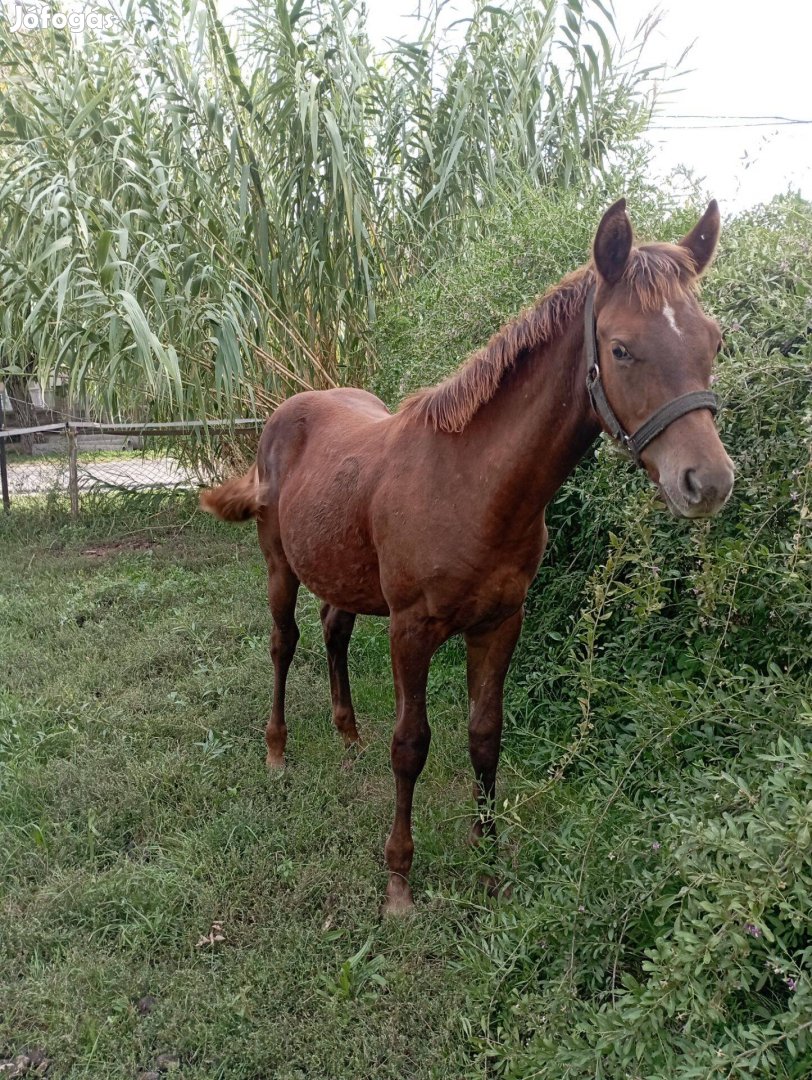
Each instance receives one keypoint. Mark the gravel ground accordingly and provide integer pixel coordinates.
(135, 474)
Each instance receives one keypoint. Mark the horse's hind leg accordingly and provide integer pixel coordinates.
(283, 587)
(488, 661)
(338, 626)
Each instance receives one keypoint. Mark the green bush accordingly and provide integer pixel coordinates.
(656, 752)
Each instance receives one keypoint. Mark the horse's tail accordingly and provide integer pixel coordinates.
(235, 500)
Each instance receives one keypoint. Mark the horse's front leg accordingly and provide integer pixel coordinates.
(413, 642)
(489, 656)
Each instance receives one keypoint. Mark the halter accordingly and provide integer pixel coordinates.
(658, 421)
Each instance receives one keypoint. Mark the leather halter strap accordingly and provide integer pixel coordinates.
(658, 421)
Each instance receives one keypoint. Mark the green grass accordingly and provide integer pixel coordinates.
(135, 811)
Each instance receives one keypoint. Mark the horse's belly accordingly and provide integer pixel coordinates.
(331, 553)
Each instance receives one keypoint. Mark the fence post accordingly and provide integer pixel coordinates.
(3, 470)
(73, 471)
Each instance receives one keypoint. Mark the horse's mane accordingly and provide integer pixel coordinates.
(655, 272)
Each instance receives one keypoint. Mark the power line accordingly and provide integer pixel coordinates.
(736, 116)
(742, 121)
(716, 127)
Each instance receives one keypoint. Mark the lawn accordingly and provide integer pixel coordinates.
(136, 813)
(168, 907)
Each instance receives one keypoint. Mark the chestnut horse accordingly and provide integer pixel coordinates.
(434, 515)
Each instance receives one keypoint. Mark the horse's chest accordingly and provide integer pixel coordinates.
(509, 573)
(504, 590)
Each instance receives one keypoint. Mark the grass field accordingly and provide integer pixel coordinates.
(136, 812)
(167, 906)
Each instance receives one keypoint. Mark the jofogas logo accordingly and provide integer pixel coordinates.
(27, 17)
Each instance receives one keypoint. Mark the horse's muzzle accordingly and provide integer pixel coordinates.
(699, 491)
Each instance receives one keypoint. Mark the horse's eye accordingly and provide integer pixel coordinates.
(620, 352)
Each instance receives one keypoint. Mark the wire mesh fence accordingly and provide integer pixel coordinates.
(78, 459)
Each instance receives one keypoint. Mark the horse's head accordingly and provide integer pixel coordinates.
(654, 346)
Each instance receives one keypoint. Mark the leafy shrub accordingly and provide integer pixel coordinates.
(659, 717)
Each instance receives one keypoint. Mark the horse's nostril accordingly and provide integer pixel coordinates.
(691, 486)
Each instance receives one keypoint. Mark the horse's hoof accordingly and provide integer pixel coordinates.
(275, 763)
(496, 889)
(353, 749)
(398, 900)
(481, 829)
(475, 833)
(398, 909)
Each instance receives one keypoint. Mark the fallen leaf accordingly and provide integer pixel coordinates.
(214, 935)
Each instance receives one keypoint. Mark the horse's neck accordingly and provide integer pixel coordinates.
(536, 428)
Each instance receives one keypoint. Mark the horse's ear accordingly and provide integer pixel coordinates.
(702, 239)
(613, 242)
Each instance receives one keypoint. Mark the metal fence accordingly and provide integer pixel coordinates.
(79, 457)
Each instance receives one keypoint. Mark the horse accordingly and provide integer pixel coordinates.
(434, 515)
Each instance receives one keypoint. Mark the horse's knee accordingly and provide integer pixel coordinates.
(283, 641)
(337, 627)
(484, 740)
(410, 748)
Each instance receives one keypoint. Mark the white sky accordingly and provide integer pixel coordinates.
(746, 60)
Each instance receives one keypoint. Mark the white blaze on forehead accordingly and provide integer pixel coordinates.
(668, 311)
